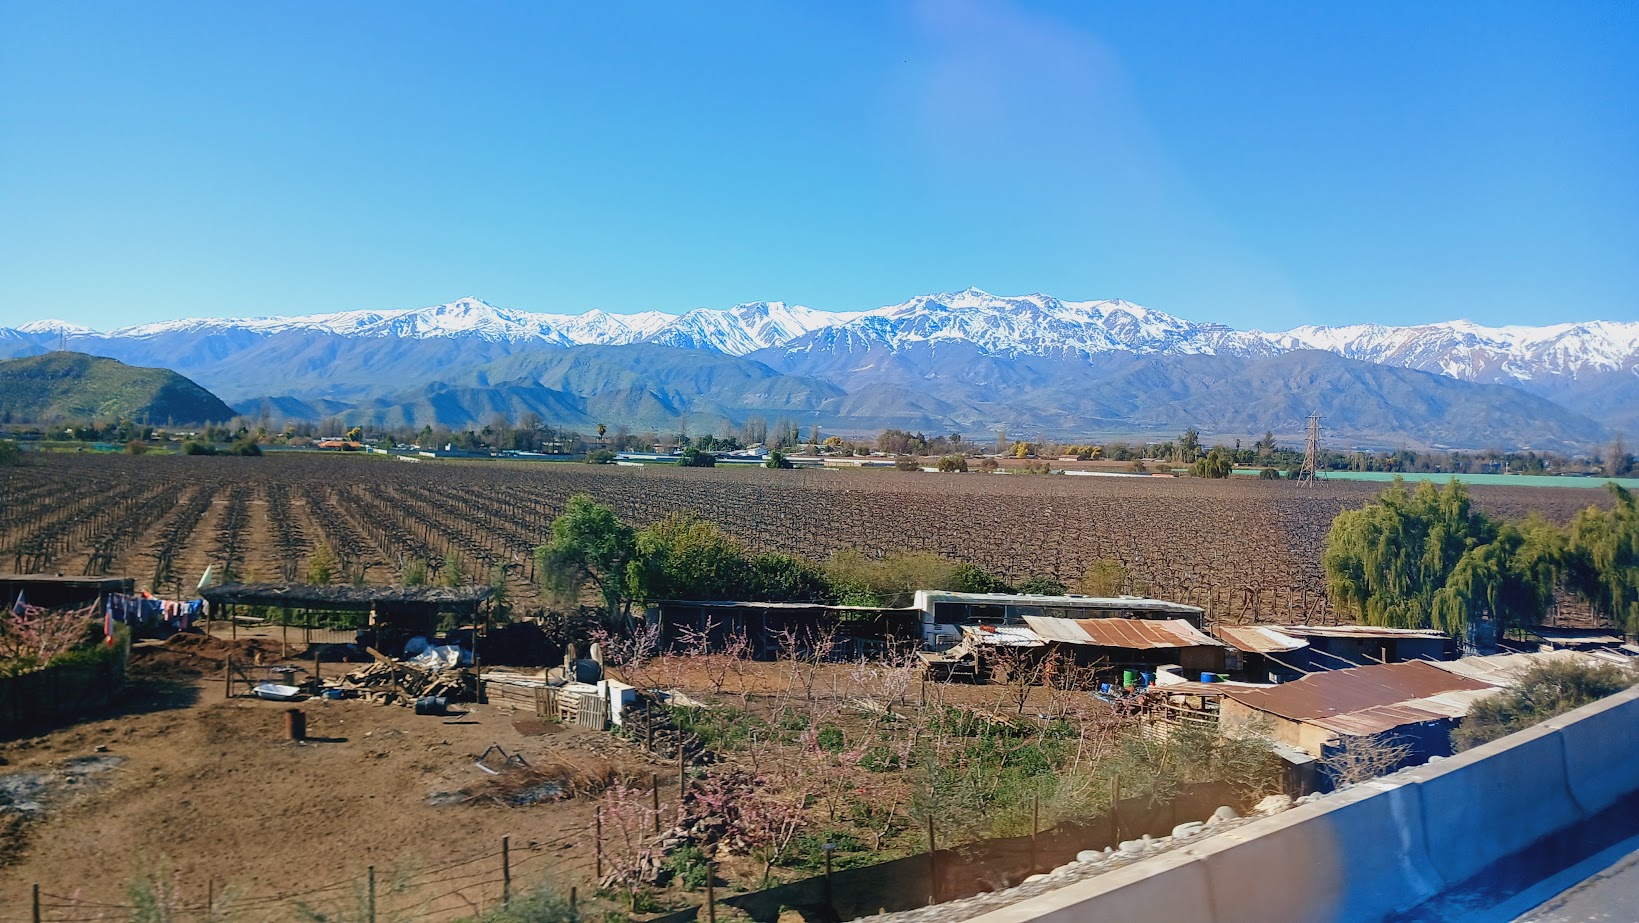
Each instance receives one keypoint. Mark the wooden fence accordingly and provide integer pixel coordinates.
(55, 694)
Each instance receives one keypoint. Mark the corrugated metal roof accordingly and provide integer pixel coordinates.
(1131, 634)
(1382, 718)
(1359, 631)
(1258, 639)
(1002, 635)
(1505, 669)
(1340, 692)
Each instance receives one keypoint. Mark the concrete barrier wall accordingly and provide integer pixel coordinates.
(1380, 848)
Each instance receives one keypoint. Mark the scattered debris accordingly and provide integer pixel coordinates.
(389, 681)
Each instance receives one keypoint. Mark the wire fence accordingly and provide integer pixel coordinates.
(457, 889)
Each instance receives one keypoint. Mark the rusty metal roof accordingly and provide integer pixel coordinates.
(1258, 639)
(1132, 634)
(1342, 692)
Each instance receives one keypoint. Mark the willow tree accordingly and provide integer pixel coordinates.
(1509, 581)
(1603, 558)
(1385, 561)
(1425, 558)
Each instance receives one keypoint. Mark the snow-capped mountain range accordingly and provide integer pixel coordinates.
(1028, 325)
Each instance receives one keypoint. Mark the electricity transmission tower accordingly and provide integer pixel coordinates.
(1311, 453)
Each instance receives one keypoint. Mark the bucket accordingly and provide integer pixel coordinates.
(1129, 678)
(1208, 677)
(431, 705)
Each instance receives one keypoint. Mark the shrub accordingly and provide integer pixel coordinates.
(906, 463)
(1543, 691)
(778, 460)
(9, 453)
(989, 465)
(1041, 586)
(688, 864)
(1269, 474)
(600, 457)
(136, 447)
(953, 463)
(697, 458)
(190, 447)
(245, 445)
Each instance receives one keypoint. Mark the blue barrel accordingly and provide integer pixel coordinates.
(1208, 678)
(431, 705)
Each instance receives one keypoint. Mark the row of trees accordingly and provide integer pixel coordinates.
(1427, 558)
(683, 556)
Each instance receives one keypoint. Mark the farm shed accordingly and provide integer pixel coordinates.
(1336, 647)
(1261, 654)
(58, 592)
(397, 613)
(1417, 702)
(858, 630)
(942, 613)
(1116, 644)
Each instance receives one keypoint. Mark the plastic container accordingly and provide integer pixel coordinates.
(1129, 678)
(1209, 677)
(431, 705)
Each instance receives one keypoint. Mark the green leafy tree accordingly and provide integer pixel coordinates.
(953, 463)
(9, 453)
(1189, 446)
(414, 572)
(590, 545)
(778, 460)
(1426, 558)
(1041, 586)
(685, 557)
(694, 457)
(1104, 578)
(1602, 558)
(1218, 463)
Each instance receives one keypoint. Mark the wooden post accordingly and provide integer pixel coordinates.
(506, 871)
(933, 865)
(233, 625)
(372, 905)
(574, 900)
(711, 891)
(284, 634)
(210, 898)
(1115, 806)
(600, 844)
(682, 777)
(227, 678)
(654, 792)
(318, 681)
(1035, 827)
(830, 904)
(36, 903)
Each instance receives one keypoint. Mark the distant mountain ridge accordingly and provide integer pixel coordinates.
(1028, 324)
(73, 387)
(898, 353)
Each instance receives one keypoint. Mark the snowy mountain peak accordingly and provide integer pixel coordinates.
(1034, 324)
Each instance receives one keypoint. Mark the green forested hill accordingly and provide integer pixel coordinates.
(65, 386)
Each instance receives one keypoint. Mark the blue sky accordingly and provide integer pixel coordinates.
(1259, 164)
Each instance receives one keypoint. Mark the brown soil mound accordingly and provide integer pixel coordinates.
(189, 656)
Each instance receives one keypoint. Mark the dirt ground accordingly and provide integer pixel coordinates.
(207, 793)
